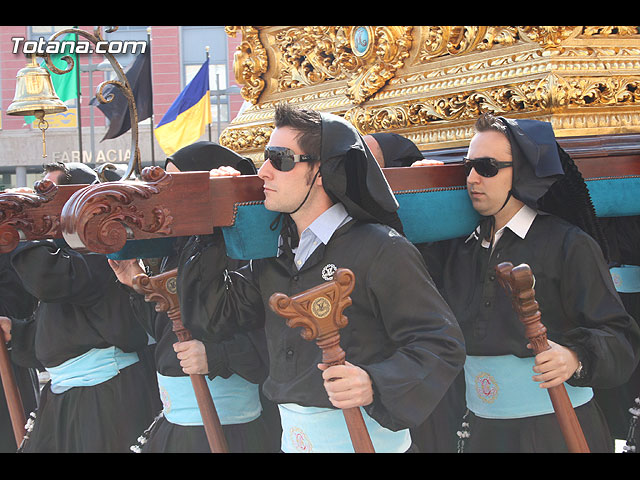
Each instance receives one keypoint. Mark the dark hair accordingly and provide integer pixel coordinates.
(489, 122)
(307, 122)
(58, 167)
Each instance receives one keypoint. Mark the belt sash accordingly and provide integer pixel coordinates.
(89, 369)
(236, 400)
(626, 278)
(324, 430)
(501, 387)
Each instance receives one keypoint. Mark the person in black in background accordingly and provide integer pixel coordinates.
(100, 394)
(15, 302)
(438, 433)
(392, 149)
(234, 368)
(623, 237)
(535, 210)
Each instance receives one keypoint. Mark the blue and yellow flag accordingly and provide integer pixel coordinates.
(185, 121)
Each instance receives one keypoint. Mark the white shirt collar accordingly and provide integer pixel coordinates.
(519, 224)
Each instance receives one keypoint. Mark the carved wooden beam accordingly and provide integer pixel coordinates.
(32, 216)
(103, 217)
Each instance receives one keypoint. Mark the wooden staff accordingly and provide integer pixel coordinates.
(162, 290)
(518, 281)
(319, 311)
(11, 392)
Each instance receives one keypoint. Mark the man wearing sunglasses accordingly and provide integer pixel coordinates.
(403, 345)
(535, 210)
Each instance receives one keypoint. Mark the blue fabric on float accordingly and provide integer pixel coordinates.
(427, 216)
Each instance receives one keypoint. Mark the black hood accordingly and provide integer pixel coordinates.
(536, 159)
(204, 156)
(397, 150)
(80, 174)
(351, 175)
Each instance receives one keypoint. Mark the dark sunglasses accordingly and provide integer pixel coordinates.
(484, 166)
(283, 158)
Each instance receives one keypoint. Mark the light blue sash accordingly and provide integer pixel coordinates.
(96, 366)
(235, 399)
(324, 430)
(626, 278)
(501, 387)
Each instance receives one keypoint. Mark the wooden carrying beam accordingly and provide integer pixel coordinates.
(518, 282)
(433, 205)
(161, 289)
(319, 311)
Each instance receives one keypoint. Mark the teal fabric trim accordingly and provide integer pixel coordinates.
(430, 216)
(615, 197)
(251, 236)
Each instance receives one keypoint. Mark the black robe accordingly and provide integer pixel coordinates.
(623, 237)
(82, 306)
(400, 330)
(15, 302)
(244, 355)
(578, 302)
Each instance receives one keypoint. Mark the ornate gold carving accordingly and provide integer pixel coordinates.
(249, 62)
(316, 54)
(431, 82)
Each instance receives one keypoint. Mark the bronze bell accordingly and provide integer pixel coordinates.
(35, 94)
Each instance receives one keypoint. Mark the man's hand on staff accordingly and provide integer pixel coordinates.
(347, 385)
(554, 366)
(5, 326)
(192, 356)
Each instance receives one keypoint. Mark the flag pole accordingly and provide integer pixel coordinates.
(209, 126)
(79, 94)
(153, 150)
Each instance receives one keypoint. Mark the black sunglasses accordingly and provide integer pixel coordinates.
(283, 158)
(484, 166)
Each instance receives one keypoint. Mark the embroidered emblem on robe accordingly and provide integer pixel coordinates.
(300, 440)
(486, 387)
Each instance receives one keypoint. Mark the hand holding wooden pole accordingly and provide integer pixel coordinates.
(518, 282)
(11, 392)
(319, 311)
(161, 289)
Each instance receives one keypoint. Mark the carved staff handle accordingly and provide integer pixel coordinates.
(161, 289)
(11, 392)
(319, 311)
(518, 281)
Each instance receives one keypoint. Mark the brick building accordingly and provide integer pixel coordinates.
(177, 52)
